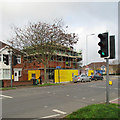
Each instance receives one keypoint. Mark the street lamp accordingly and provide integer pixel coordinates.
(87, 47)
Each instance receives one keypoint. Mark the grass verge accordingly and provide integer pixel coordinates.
(96, 112)
(7, 88)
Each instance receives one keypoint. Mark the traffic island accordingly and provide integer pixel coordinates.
(96, 112)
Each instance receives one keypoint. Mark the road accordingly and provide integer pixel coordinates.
(54, 101)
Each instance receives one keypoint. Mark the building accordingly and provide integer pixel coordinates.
(62, 59)
(24, 69)
(5, 66)
(113, 68)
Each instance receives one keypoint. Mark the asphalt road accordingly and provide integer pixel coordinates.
(54, 101)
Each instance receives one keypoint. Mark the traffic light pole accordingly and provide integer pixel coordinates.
(107, 81)
(11, 68)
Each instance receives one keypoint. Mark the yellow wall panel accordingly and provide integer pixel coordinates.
(90, 72)
(65, 75)
(36, 72)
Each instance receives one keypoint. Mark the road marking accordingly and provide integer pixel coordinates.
(102, 87)
(115, 99)
(51, 116)
(58, 111)
(67, 95)
(96, 86)
(116, 88)
(6, 96)
(45, 106)
(83, 98)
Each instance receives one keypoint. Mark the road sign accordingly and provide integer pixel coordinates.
(58, 67)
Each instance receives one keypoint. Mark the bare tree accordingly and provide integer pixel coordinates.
(40, 40)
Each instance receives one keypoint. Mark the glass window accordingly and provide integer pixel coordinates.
(67, 62)
(33, 75)
(15, 74)
(19, 59)
(59, 58)
(52, 58)
(6, 73)
(19, 73)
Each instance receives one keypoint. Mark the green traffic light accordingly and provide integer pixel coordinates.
(103, 53)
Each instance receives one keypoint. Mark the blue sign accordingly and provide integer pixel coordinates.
(99, 71)
(58, 67)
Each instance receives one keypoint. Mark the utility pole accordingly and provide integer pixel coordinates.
(107, 81)
(10, 56)
(11, 67)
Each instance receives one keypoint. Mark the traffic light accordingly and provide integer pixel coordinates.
(104, 47)
(112, 47)
(6, 59)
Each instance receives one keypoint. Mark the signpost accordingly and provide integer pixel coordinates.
(58, 67)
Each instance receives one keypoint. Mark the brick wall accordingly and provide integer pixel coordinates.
(7, 83)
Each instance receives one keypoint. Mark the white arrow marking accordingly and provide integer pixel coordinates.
(58, 111)
(51, 116)
(6, 96)
(115, 99)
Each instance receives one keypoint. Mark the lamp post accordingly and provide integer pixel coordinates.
(87, 47)
(10, 56)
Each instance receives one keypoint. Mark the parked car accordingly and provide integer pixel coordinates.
(96, 77)
(81, 78)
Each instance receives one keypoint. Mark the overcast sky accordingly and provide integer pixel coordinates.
(83, 18)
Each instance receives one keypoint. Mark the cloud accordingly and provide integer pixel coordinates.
(82, 18)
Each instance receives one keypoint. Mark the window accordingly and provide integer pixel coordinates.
(19, 73)
(19, 59)
(74, 60)
(6, 73)
(59, 58)
(67, 62)
(15, 74)
(52, 58)
(33, 75)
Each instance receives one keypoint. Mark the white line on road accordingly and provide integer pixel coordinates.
(58, 111)
(102, 87)
(45, 106)
(115, 99)
(67, 95)
(51, 116)
(6, 96)
(83, 98)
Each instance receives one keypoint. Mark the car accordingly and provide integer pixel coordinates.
(81, 78)
(96, 77)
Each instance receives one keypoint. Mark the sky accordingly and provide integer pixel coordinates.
(83, 18)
